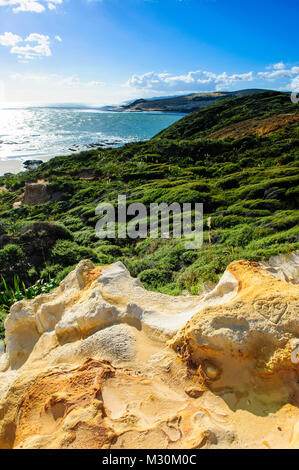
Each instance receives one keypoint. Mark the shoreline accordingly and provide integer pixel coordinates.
(9, 166)
(78, 134)
(16, 165)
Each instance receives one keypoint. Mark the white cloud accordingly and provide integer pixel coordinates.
(275, 74)
(58, 38)
(192, 81)
(33, 46)
(9, 39)
(279, 75)
(36, 6)
(224, 80)
(294, 85)
(279, 66)
(278, 72)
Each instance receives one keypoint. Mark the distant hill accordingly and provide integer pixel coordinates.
(256, 114)
(179, 104)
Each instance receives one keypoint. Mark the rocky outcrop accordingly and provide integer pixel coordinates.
(35, 193)
(103, 363)
(32, 164)
(247, 339)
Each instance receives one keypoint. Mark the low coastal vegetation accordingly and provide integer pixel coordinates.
(248, 183)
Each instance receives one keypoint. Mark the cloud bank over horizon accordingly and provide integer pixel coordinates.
(57, 87)
(201, 79)
(207, 81)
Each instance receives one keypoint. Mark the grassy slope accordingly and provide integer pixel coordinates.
(249, 186)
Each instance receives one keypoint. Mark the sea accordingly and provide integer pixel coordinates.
(40, 133)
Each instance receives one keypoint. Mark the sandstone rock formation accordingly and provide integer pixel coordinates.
(102, 363)
(35, 193)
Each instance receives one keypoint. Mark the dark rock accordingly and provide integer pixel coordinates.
(35, 193)
(32, 164)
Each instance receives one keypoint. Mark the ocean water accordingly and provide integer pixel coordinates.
(41, 133)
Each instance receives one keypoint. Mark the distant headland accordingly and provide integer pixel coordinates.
(179, 104)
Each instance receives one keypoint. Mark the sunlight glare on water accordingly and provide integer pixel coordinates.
(41, 133)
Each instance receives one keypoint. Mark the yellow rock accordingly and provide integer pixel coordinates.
(102, 363)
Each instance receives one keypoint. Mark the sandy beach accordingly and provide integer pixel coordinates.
(10, 166)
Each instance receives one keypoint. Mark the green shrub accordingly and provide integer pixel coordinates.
(17, 290)
(103, 259)
(63, 273)
(68, 253)
(73, 223)
(112, 250)
(148, 245)
(3, 315)
(154, 277)
(12, 261)
(4, 227)
(50, 271)
(189, 257)
(32, 274)
(240, 237)
(85, 237)
(10, 255)
(287, 236)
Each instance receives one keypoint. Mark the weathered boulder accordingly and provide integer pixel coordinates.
(241, 344)
(103, 363)
(35, 193)
(32, 164)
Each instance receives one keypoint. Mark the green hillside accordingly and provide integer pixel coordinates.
(249, 185)
(230, 111)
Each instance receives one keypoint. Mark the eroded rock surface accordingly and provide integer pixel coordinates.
(35, 193)
(102, 363)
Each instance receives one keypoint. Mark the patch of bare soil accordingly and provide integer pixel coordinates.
(254, 126)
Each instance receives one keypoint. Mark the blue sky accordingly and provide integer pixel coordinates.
(109, 51)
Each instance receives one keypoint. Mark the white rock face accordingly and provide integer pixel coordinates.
(79, 308)
(284, 267)
(28, 320)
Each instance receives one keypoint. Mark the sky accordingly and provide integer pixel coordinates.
(99, 52)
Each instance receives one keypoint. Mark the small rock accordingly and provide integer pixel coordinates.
(194, 392)
(211, 370)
